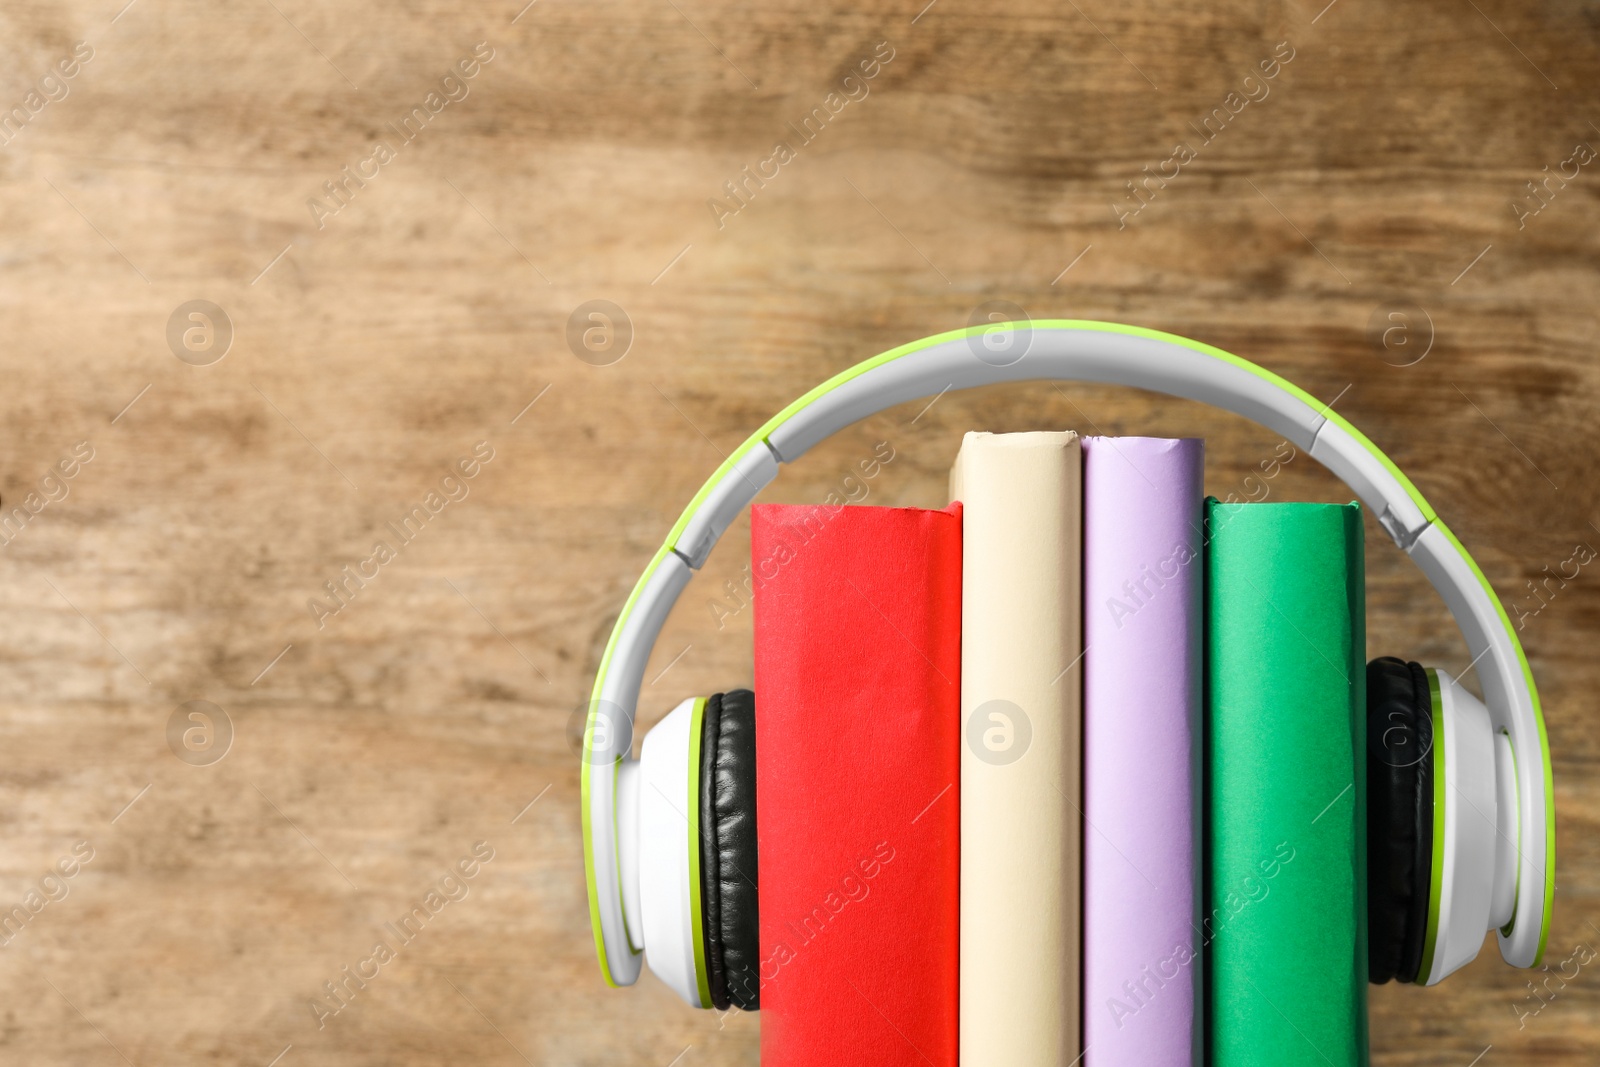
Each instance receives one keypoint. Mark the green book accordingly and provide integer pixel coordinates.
(1286, 849)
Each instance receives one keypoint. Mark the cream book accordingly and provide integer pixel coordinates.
(1021, 755)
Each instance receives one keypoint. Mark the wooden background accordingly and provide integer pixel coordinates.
(1379, 175)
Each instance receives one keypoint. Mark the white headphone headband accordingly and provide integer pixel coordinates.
(1069, 350)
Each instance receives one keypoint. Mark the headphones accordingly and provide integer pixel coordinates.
(1461, 829)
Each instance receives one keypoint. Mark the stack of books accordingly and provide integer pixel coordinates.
(1068, 772)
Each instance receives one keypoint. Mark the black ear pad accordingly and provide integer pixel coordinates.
(728, 898)
(1399, 817)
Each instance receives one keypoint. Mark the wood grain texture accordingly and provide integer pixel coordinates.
(371, 351)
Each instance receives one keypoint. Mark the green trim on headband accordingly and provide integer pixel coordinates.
(1088, 325)
(588, 762)
(1430, 940)
(1544, 747)
(1377, 453)
(759, 438)
(702, 976)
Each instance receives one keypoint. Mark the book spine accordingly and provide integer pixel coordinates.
(1286, 791)
(858, 668)
(1021, 689)
(1143, 578)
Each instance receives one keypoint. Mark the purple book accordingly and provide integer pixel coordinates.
(1143, 576)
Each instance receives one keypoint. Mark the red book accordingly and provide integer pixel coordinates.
(858, 781)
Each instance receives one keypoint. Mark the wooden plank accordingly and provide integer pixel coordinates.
(374, 346)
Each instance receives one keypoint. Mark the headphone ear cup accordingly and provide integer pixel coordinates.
(1400, 817)
(669, 864)
(729, 860)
